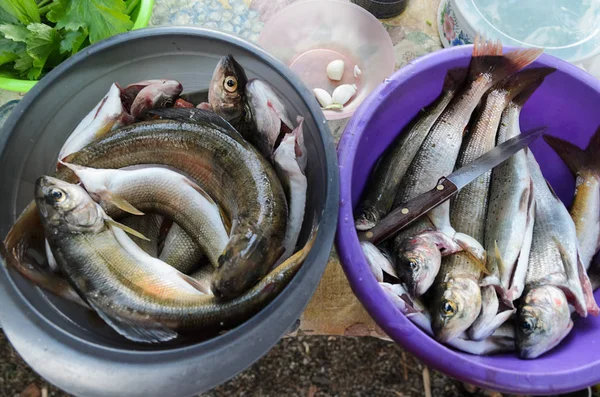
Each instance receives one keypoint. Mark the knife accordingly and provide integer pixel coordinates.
(408, 212)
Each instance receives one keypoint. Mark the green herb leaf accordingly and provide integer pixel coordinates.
(101, 18)
(14, 32)
(72, 41)
(9, 50)
(24, 65)
(25, 11)
(42, 41)
(6, 17)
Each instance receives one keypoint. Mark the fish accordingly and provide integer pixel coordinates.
(227, 89)
(585, 210)
(470, 207)
(511, 211)
(544, 320)
(209, 150)
(42, 277)
(418, 258)
(140, 297)
(503, 339)
(104, 117)
(555, 275)
(295, 184)
(181, 251)
(267, 120)
(388, 173)
(148, 225)
(439, 151)
(379, 260)
(162, 191)
(206, 144)
(203, 275)
(131, 91)
(157, 94)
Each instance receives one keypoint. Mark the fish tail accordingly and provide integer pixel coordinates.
(574, 157)
(525, 82)
(488, 60)
(526, 93)
(454, 79)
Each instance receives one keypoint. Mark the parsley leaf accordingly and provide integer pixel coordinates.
(25, 11)
(72, 41)
(101, 18)
(42, 41)
(14, 32)
(9, 50)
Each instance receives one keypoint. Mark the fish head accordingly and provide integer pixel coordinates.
(226, 92)
(456, 308)
(418, 262)
(544, 320)
(66, 207)
(242, 264)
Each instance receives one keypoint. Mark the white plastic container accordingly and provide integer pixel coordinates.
(567, 29)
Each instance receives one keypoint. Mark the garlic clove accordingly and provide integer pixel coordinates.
(335, 70)
(343, 93)
(323, 97)
(357, 71)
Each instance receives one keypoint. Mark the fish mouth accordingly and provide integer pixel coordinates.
(363, 224)
(41, 184)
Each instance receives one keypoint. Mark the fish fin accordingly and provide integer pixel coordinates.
(121, 203)
(529, 79)
(498, 256)
(147, 333)
(488, 59)
(52, 264)
(454, 79)
(573, 156)
(572, 287)
(378, 261)
(200, 116)
(489, 318)
(196, 284)
(126, 229)
(197, 188)
(474, 249)
(586, 286)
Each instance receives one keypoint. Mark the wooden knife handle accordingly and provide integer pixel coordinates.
(408, 212)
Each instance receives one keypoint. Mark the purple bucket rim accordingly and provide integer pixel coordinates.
(365, 287)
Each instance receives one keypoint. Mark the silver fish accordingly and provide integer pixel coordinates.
(496, 101)
(437, 156)
(295, 184)
(501, 341)
(100, 120)
(510, 217)
(156, 189)
(378, 261)
(388, 173)
(585, 210)
(267, 113)
(555, 276)
(156, 95)
(181, 251)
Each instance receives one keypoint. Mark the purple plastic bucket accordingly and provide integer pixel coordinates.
(568, 103)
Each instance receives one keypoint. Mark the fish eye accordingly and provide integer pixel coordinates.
(413, 263)
(448, 308)
(527, 325)
(230, 84)
(58, 195)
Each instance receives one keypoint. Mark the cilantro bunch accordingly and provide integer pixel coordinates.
(37, 35)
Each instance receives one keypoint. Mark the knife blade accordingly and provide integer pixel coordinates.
(447, 186)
